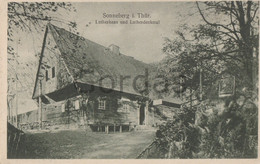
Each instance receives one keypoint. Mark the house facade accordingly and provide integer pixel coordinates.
(82, 83)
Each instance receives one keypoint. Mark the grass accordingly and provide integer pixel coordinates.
(90, 145)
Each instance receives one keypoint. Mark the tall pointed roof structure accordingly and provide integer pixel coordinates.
(88, 62)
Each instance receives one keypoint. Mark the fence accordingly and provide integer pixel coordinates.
(15, 139)
(149, 151)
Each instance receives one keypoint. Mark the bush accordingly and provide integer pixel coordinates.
(228, 133)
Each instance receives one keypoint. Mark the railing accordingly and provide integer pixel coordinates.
(146, 153)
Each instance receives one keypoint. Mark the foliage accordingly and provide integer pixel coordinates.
(31, 17)
(178, 138)
(223, 128)
(228, 44)
(28, 17)
(215, 134)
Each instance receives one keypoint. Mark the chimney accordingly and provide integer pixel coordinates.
(114, 49)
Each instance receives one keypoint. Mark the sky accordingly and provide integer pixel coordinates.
(142, 41)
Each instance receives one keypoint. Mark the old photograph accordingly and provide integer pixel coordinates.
(132, 80)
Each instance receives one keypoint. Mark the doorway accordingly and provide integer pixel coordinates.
(142, 115)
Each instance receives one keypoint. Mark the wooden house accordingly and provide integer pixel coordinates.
(83, 83)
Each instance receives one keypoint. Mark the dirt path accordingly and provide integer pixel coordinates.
(80, 144)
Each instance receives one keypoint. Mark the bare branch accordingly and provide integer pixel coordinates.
(253, 17)
(214, 24)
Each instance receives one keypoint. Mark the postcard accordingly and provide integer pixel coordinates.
(130, 80)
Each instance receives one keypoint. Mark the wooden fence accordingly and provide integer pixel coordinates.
(15, 139)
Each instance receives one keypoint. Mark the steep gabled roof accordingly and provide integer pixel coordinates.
(83, 51)
(82, 57)
(88, 62)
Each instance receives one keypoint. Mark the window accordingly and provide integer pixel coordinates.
(53, 72)
(125, 107)
(102, 104)
(76, 104)
(47, 75)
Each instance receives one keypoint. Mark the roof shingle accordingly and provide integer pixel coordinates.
(88, 62)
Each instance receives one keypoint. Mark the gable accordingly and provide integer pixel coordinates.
(52, 67)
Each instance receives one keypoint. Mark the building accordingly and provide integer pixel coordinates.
(81, 83)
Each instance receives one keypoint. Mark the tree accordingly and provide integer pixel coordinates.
(238, 36)
(28, 17)
(228, 44)
(225, 42)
